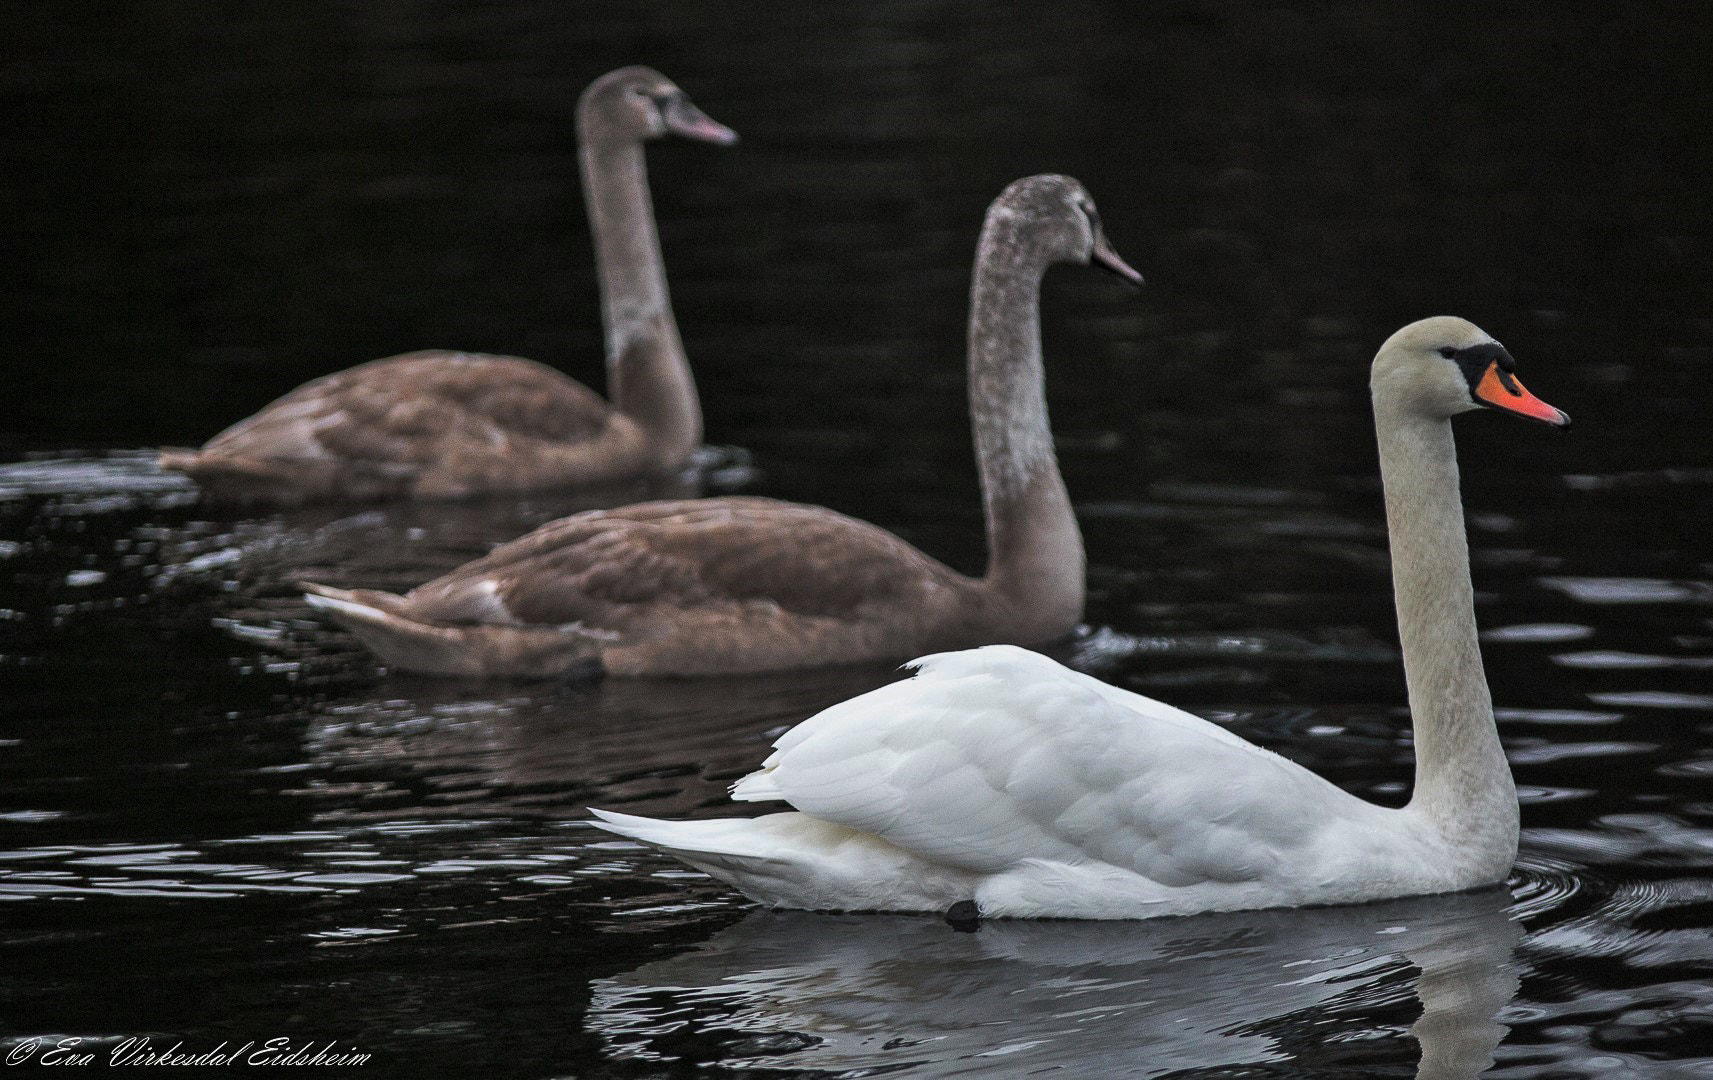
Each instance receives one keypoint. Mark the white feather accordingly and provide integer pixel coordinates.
(1001, 776)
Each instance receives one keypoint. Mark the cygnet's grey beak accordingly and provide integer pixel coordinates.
(1107, 259)
(683, 118)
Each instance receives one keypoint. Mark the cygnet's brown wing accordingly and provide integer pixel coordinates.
(399, 420)
(437, 426)
(652, 563)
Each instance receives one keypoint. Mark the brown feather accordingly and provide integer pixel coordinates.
(715, 585)
(427, 425)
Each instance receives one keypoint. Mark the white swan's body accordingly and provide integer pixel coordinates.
(998, 776)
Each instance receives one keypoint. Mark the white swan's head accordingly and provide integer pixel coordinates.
(636, 104)
(1443, 366)
(1050, 219)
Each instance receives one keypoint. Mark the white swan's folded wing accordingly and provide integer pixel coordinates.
(994, 756)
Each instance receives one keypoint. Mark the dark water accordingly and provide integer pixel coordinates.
(218, 821)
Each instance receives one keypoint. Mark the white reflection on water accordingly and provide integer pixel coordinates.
(864, 992)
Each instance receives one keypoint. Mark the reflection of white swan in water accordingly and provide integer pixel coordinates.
(847, 992)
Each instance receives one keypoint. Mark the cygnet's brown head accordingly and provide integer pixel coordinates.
(1050, 219)
(637, 104)
(1443, 366)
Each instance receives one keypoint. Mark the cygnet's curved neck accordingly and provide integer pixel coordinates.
(1035, 554)
(1463, 783)
(648, 377)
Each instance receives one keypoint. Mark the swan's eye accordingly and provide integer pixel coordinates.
(1448, 352)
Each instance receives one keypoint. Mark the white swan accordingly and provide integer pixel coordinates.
(997, 776)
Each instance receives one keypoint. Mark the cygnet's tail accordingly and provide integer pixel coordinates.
(249, 479)
(382, 621)
(180, 459)
(212, 470)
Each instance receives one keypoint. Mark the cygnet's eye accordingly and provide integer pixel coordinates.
(1448, 352)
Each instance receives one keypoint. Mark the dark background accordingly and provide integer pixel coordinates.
(217, 819)
(213, 203)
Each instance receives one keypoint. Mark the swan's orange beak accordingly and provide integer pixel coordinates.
(1501, 390)
(1107, 259)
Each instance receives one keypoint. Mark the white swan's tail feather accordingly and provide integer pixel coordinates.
(730, 850)
(727, 837)
(758, 786)
(794, 860)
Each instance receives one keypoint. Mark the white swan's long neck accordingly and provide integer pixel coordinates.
(648, 377)
(1035, 554)
(1463, 782)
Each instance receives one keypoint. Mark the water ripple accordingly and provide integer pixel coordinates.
(1653, 699)
(1541, 633)
(1109, 647)
(1648, 924)
(1620, 590)
(1654, 840)
(375, 856)
(877, 993)
(118, 480)
(1613, 660)
(1541, 884)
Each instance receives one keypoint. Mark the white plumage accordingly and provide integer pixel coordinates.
(998, 776)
